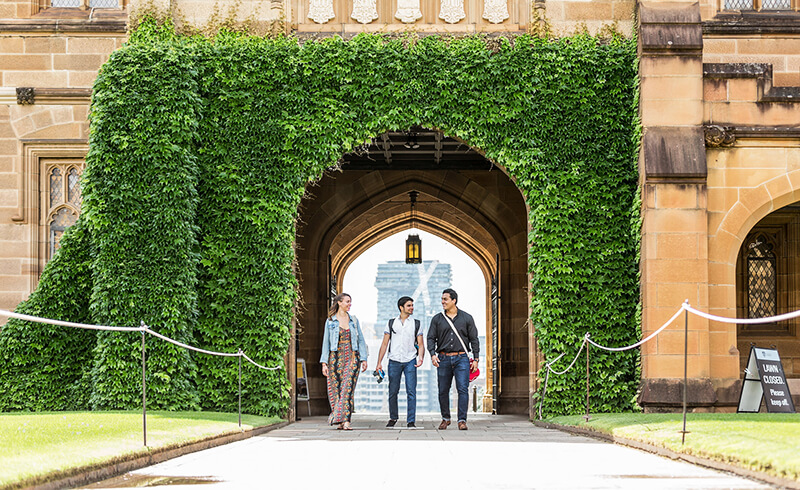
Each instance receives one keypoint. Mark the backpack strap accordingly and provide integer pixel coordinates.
(391, 331)
(417, 327)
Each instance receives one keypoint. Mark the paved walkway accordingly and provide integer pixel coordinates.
(497, 452)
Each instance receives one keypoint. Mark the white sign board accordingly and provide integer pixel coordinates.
(764, 379)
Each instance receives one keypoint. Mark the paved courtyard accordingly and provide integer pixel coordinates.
(497, 452)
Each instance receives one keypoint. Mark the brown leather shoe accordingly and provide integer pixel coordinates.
(444, 424)
(462, 425)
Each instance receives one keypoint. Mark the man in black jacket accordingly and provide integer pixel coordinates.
(449, 355)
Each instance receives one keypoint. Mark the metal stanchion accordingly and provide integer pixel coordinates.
(685, 368)
(240, 389)
(544, 391)
(587, 417)
(474, 398)
(144, 389)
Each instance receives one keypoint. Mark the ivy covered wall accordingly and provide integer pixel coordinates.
(200, 152)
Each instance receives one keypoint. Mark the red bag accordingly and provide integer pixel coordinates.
(474, 374)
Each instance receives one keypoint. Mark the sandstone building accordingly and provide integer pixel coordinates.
(719, 168)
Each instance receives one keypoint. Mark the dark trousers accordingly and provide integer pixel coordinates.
(453, 367)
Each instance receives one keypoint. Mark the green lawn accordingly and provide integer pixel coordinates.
(34, 446)
(764, 442)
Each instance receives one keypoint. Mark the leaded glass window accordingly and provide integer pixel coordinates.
(64, 202)
(776, 5)
(62, 219)
(56, 187)
(762, 279)
(103, 4)
(739, 5)
(95, 4)
(74, 187)
(761, 5)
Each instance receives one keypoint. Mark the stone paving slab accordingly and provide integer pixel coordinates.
(497, 452)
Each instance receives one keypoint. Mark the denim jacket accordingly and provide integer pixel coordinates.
(330, 339)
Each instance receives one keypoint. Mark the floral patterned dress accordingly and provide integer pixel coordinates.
(342, 377)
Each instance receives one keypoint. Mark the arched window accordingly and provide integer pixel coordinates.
(64, 202)
(768, 275)
(762, 279)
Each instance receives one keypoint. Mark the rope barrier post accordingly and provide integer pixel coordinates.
(685, 366)
(474, 398)
(587, 417)
(144, 386)
(240, 389)
(544, 391)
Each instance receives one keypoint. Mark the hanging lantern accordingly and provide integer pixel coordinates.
(413, 243)
(413, 250)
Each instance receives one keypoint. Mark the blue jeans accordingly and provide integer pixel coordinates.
(453, 367)
(396, 369)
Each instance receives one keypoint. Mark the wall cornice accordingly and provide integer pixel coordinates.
(762, 72)
(70, 26)
(752, 23)
(670, 29)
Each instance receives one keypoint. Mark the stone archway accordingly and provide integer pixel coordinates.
(725, 244)
(470, 203)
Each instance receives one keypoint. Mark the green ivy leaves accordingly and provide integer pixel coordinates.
(201, 150)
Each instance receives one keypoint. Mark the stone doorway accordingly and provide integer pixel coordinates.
(768, 284)
(463, 198)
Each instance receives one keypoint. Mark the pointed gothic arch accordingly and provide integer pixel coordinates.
(478, 209)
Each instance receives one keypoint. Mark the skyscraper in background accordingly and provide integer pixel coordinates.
(424, 283)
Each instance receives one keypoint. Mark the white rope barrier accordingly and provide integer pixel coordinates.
(744, 321)
(142, 328)
(37, 319)
(637, 344)
(585, 338)
(186, 346)
(259, 365)
(684, 307)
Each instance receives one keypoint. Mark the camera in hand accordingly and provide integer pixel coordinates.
(379, 374)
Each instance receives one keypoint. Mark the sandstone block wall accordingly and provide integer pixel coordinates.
(595, 16)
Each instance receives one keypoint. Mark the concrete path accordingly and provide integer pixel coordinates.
(497, 452)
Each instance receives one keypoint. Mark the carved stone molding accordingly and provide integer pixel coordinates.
(51, 96)
(26, 96)
(364, 11)
(719, 136)
(33, 152)
(452, 11)
(320, 11)
(495, 11)
(408, 11)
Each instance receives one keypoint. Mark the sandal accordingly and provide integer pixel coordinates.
(340, 427)
(346, 426)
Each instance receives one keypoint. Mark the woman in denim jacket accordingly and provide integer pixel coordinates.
(343, 350)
